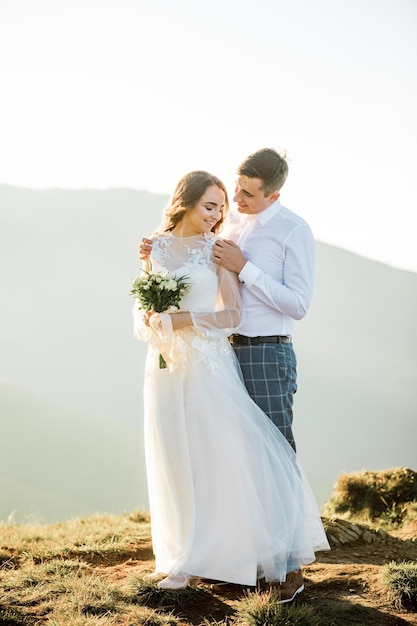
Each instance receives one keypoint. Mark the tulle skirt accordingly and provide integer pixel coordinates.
(228, 498)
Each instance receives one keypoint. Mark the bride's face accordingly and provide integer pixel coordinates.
(206, 213)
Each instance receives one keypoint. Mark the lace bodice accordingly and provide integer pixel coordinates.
(172, 252)
(191, 257)
(213, 298)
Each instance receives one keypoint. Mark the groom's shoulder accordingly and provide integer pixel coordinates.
(291, 217)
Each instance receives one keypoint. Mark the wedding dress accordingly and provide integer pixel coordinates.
(228, 498)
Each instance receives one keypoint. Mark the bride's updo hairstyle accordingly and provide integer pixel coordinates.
(187, 193)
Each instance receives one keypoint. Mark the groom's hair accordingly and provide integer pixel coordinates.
(269, 166)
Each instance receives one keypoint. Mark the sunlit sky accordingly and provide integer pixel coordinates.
(134, 93)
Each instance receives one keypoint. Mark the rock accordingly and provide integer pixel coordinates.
(368, 536)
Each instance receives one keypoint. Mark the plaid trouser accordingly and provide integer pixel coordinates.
(270, 374)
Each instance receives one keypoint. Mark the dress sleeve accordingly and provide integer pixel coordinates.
(228, 311)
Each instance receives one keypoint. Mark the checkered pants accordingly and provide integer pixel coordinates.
(270, 374)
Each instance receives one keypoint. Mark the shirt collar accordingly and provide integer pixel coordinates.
(264, 216)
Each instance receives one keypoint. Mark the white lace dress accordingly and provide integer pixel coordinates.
(228, 499)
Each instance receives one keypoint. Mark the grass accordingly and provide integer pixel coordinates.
(147, 594)
(400, 579)
(58, 575)
(386, 498)
(97, 537)
(89, 572)
(263, 610)
(51, 574)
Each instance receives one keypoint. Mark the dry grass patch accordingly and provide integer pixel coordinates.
(147, 593)
(386, 498)
(400, 579)
(262, 609)
(47, 573)
(96, 536)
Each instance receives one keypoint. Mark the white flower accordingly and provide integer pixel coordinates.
(171, 285)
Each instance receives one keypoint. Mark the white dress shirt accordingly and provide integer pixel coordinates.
(278, 278)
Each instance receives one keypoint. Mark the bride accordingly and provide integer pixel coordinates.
(228, 498)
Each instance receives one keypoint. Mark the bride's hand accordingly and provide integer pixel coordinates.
(145, 249)
(146, 316)
(155, 322)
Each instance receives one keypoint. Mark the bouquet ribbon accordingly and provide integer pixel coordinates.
(167, 341)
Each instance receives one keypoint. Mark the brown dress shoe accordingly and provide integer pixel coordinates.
(286, 591)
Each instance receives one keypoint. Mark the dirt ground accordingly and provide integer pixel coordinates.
(345, 576)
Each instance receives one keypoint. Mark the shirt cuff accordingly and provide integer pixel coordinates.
(249, 273)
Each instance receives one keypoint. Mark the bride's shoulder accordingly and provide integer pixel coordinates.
(207, 242)
(161, 244)
(210, 238)
(203, 250)
(160, 237)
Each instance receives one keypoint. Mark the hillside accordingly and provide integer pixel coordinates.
(66, 334)
(357, 367)
(58, 462)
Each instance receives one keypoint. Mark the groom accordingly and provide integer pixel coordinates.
(272, 251)
(273, 254)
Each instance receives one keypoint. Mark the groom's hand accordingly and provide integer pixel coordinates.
(229, 255)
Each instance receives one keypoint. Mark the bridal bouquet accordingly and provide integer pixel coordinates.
(160, 292)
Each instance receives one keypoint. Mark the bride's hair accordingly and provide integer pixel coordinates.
(187, 193)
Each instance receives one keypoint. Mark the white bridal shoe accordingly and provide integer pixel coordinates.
(180, 581)
(153, 576)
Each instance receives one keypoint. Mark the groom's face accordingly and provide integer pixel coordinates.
(250, 197)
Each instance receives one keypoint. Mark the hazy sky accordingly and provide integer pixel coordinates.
(110, 93)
